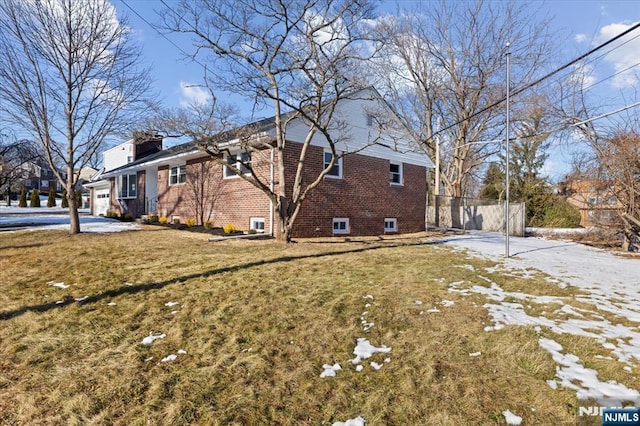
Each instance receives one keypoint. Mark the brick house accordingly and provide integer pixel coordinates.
(374, 188)
(596, 200)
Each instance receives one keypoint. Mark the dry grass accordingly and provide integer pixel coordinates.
(257, 320)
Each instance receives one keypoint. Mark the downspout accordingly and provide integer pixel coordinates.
(271, 187)
(426, 211)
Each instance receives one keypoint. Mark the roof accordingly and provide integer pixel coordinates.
(165, 154)
(257, 127)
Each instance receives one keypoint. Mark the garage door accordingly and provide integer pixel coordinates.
(101, 202)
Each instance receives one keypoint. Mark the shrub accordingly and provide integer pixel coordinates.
(163, 220)
(126, 217)
(51, 200)
(251, 231)
(229, 228)
(176, 221)
(561, 214)
(154, 218)
(65, 200)
(35, 198)
(79, 198)
(208, 225)
(23, 198)
(111, 214)
(190, 222)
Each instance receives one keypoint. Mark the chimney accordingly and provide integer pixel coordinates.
(146, 143)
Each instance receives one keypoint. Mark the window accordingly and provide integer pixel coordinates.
(390, 224)
(336, 169)
(127, 185)
(395, 173)
(177, 174)
(340, 225)
(241, 161)
(371, 119)
(257, 224)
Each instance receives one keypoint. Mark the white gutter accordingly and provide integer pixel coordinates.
(115, 172)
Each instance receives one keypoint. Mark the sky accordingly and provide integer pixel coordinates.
(581, 24)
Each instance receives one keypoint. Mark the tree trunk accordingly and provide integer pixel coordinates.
(74, 218)
(285, 230)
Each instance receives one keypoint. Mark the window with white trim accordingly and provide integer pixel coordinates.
(340, 225)
(390, 224)
(178, 175)
(127, 186)
(395, 173)
(240, 161)
(336, 169)
(257, 224)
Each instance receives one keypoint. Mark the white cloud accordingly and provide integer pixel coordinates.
(193, 94)
(580, 38)
(625, 53)
(583, 74)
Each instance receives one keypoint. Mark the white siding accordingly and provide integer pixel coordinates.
(117, 156)
(367, 140)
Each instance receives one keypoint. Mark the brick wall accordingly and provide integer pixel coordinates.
(223, 201)
(364, 195)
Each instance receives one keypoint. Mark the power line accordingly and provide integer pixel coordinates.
(611, 76)
(538, 81)
(598, 57)
(624, 108)
(192, 57)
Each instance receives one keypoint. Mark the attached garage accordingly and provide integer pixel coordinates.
(100, 197)
(101, 202)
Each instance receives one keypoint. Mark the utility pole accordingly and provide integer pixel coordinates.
(506, 205)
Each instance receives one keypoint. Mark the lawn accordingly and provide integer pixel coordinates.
(250, 325)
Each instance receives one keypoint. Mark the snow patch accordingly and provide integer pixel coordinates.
(574, 375)
(358, 421)
(151, 338)
(364, 349)
(511, 418)
(58, 285)
(330, 370)
(169, 358)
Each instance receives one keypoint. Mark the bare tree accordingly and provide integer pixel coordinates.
(444, 70)
(16, 157)
(203, 187)
(613, 156)
(296, 59)
(70, 77)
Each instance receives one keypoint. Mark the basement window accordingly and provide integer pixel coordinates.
(390, 224)
(340, 225)
(257, 224)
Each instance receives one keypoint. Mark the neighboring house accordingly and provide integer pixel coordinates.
(381, 188)
(595, 199)
(41, 177)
